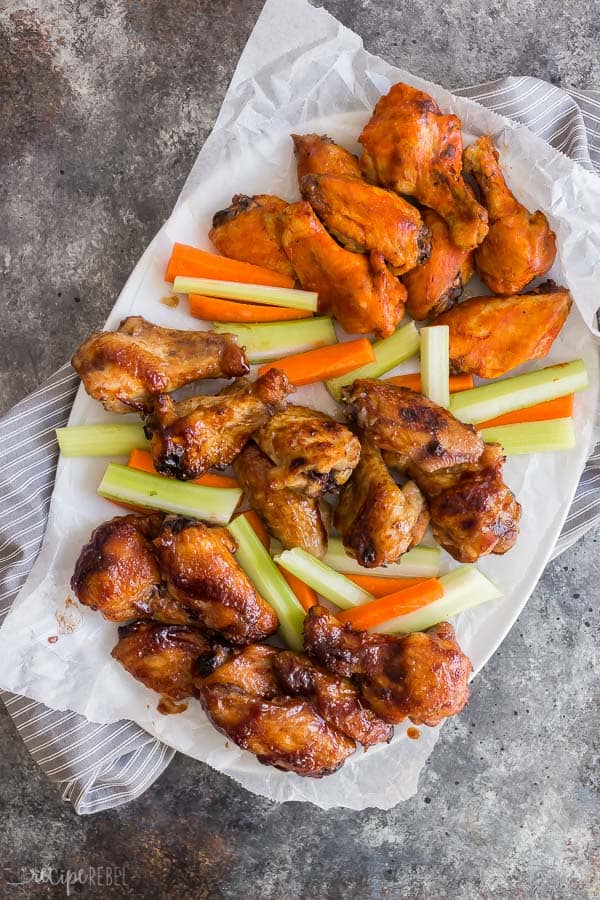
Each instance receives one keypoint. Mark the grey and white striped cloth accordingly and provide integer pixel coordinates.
(102, 766)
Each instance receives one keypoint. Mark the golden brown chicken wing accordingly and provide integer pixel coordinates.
(317, 154)
(312, 452)
(294, 519)
(423, 676)
(489, 336)
(368, 219)
(202, 575)
(436, 285)
(125, 369)
(358, 290)
(520, 245)
(413, 427)
(250, 230)
(192, 436)
(378, 520)
(412, 148)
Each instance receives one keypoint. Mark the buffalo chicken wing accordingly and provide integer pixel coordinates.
(319, 155)
(250, 230)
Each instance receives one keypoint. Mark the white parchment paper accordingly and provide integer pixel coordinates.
(303, 71)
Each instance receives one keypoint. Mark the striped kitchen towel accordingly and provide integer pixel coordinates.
(102, 766)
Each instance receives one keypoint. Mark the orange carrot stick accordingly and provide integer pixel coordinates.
(373, 613)
(142, 460)
(307, 597)
(195, 263)
(213, 309)
(259, 529)
(326, 362)
(560, 408)
(413, 381)
(380, 586)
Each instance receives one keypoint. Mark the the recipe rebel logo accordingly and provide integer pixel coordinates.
(91, 877)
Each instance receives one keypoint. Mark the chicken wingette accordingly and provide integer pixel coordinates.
(250, 230)
(317, 154)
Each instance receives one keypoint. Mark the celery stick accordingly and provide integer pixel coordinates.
(107, 439)
(420, 562)
(463, 588)
(491, 400)
(532, 437)
(389, 352)
(324, 580)
(268, 581)
(435, 363)
(249, 293)
(214, 505)
(272, 340)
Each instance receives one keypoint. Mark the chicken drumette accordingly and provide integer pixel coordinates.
(250, 230)
(317, 154)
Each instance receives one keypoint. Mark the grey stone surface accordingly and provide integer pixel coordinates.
(105, 104)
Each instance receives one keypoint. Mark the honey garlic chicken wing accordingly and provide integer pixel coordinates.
(318, 155)
(411, 426)
(422, 676)
(125, 369)
(435, 286)
(312, 452)
(378, 520)
(293, 518)
(489, 336)
(250, 230)
(365, 219)
(358, 290)
(192, 436)
(412, 148)
(520, 245)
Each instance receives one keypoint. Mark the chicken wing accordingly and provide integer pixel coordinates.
(125, 369)
(412, 148)
(520, 245)
(318, 155)
(358, 290)
(489, 336)
(435, 286)
(378, 520)
(191, 436)
(250, 230)
(312, 452)
(368, 219)
(294, 519)
(414, 428)
(423, 676)
(201, 573)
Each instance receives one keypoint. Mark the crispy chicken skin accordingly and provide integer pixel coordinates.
(489, 336)
(368, 219)
(312, 452)
(423, 676)
(250, 230)
(436, 285)
(125, 369)
(317, 154)
(414, 428)
(378, 520)
(412, 148)
(294, 519)
(191, 436)
(201, 573)
(520, 245)
(358, 290)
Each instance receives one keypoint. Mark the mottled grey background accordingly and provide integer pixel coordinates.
(104, 106)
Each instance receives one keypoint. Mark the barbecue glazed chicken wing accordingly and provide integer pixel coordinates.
(293, 518)
(520, 245)
(378, 520)
(125, 369)
(250, 230)
(312, 452)
(489, 336)
(412, 148)
(358, 290)
(317, 154)
(435, 286)
(423, 676)
(192, 436)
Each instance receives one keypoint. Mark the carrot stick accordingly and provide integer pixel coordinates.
(380, 586)
(307, 597)
(413, 381)
(326, 362)
(214, 309)
(257, 524)
(142, 460)
(195, 263)
(373, 613)
(560, 408)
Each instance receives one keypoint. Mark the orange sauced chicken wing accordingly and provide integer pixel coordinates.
(250, 230)
(520, 245)
(317, 154)
(412, 148)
